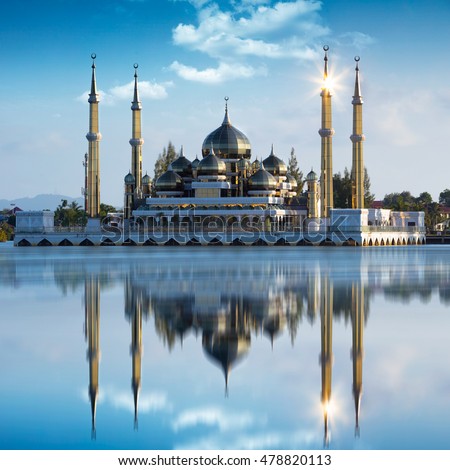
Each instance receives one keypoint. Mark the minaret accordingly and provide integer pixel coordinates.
(92, 313)
(326, 354)
(136, 140)
(357, 347)
(326, 134)
(93, 137)
(313, 209)
(130, 185)
(357, 139)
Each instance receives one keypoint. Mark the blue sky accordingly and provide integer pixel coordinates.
(265, 55)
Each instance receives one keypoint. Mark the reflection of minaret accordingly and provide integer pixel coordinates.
(136, 354)
(93, 137)
(313, 294)
(326, 134)
(357, 139)
(133, 312)
(326, 355)
(357, 347)
(92, 312)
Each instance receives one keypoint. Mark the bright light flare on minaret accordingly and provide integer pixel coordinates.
(328, 83)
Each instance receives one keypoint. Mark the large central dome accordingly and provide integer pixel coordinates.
(227, 141)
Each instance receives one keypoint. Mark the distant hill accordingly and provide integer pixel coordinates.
(39, 202)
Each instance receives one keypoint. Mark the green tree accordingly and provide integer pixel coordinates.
(444, 197)
(403, 201)
(342, 190)
(368, 196)
(6, 232)
(3, 236)
(163, 161)
(104, 209)
(67, 215)
(294, 170)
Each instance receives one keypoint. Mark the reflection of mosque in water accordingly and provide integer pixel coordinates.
(227, 322)
(230, 303)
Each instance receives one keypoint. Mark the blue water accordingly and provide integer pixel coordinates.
(226, 348)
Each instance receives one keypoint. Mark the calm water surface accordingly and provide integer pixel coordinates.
(225, 348)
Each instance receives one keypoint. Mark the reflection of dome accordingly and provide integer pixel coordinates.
(130, 179)
(262, 180)
(226, 349)
(169, 181)
(275, 165)
(227, 141)
(182, 165)
(311, 176)
(211, 165)
(146, 179)
(292, 181)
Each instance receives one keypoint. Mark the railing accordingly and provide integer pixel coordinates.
(375, 228)
(226, 229)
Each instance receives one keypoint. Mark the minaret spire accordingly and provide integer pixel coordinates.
(226, 119)
(326, 133)
(325, 60)
(357, 139)
(136, 140)
(136, 103)
(93, 96)
(93, 137)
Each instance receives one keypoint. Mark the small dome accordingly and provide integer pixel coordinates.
(292, 181)
(182, 166)
(262, 180)
(243, 164)
(228, 141)
(311, 176)
(130, 179)
(256, 165)
(275, 165)
(211, 165)
(146, 179)
(169, 181)
(195, 163)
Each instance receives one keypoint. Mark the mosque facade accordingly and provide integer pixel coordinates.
(225, 197)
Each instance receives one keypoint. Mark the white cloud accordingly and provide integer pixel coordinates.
(252, 30)
(153, 91)
(147, 403)
(220, 34)
(213, 417)
(220, 74)
(356, 39)
(403, 113)
(297, 439)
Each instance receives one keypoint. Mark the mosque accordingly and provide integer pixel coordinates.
(225, 198)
